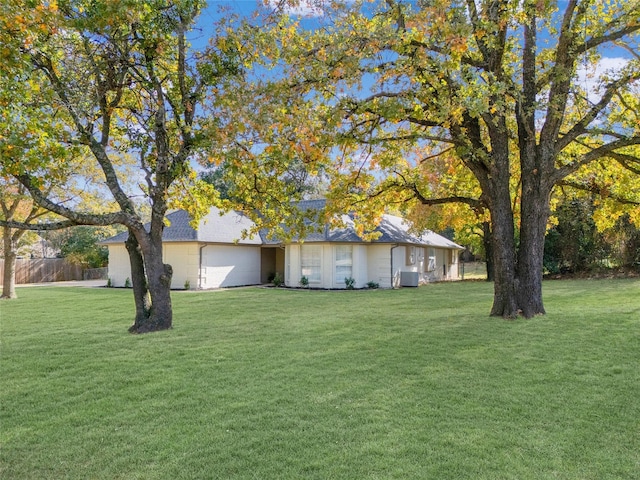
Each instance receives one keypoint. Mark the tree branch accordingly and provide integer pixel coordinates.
(581, 127)
(606, 150)
(38, 226)
(598, 190)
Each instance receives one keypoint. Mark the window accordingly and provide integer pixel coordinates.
(430, 265)
(311, 262)
(344, 262)
(411, 255)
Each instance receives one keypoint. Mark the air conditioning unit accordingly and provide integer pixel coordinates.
(409, 279)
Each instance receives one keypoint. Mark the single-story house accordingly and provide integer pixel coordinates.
(214, 255)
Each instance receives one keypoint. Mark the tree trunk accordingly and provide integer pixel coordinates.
(151, 281)
(159, 278)
(518, 271)
(533, 224)
(505, 298)
(138, 282)
(10, 256)
(487, 240)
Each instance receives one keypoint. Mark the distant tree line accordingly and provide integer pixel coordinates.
(575, 244)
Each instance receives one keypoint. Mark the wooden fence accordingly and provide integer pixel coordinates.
(39, 270)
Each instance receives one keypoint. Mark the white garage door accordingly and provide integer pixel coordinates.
(230, 266)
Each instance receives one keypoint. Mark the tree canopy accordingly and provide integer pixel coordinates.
(486, 107)
(123, 92)
(489, 104)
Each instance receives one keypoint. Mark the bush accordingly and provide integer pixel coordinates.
(127, 283)
(350, 283)
(277, 280)
(304, 281)
(373, 285)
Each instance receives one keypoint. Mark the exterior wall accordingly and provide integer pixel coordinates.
(328, 276)
(230, 266)
(291, 265)
(184, 257)
(372, 262)
(454, 265)
(399, 264)
(379, 264)
(444, 268)
(237, 265)
(360, 266)
(222, 265)
(119, 266)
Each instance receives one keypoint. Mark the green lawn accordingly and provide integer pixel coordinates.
(279, 384)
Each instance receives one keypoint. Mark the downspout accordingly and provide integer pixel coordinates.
(391, 261)
(200, 267)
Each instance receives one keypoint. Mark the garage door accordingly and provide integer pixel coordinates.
(230, 266)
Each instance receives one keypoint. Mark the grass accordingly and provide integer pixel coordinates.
(279, 384)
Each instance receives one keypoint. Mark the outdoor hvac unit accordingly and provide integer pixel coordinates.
(409, 279)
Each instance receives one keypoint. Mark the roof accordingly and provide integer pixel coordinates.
(227, 228)
(392, 229)
(212, 228)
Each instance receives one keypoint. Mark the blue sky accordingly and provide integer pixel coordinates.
(613, 58)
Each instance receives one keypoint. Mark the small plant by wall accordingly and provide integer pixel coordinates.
(109, 283)
(350, 283)
(304, 282)
(277, 280)
(127, 283)
(373, 285)
(187, 285)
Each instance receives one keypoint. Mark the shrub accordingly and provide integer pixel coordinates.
(350, 283)
(277, 280)
(304, 281)
(373, 285)
(127, 283)
(187, 285)
(109, 283)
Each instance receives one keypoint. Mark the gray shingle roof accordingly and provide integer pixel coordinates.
(228, 228)
(393, 229)
(213, 228)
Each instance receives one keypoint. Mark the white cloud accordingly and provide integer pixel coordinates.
(590, 76)
(300, 8)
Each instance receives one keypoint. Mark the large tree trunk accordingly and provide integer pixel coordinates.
(151, 282)
(533, 224)
(141, 296)
(505, 298)
(159, 279)
(9, 277)
(518, 271)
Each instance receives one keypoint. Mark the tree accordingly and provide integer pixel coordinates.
(221, 177)
(573, 243)
(498, 84)
(80, 246)
(122, 80)
(14, 205)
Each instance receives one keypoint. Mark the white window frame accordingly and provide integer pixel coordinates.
(343, 266)
(311, 263)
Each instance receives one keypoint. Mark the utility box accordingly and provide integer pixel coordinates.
(409, 279)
